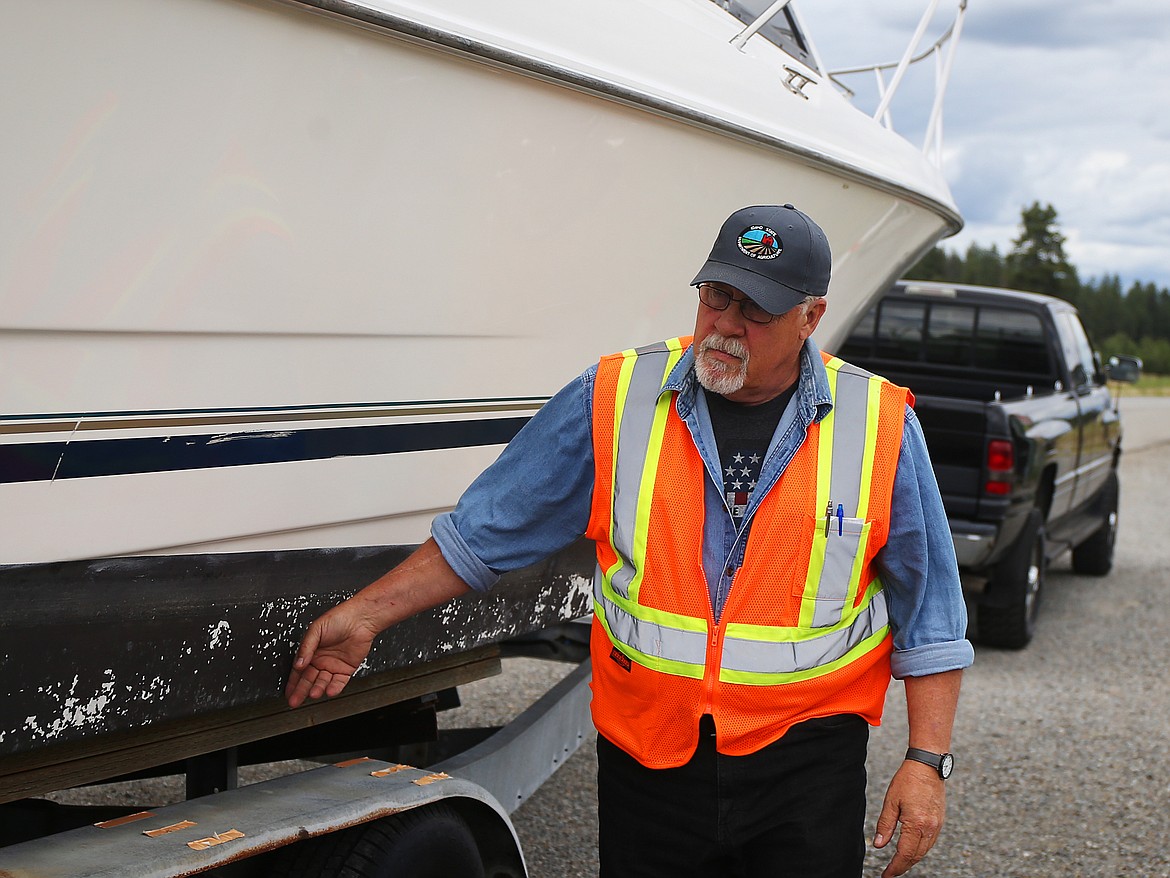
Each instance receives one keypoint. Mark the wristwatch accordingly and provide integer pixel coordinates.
(943, 763)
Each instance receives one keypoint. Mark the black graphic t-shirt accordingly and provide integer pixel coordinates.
(743, 433)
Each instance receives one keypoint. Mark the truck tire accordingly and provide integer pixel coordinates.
(431, 841)
(1020, 578)
(1094, 557)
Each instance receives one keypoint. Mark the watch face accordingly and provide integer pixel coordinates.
(946, 765)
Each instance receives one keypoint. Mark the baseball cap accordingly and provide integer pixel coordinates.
(775, 254)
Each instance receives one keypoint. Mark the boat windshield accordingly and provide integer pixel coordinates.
(781, 30)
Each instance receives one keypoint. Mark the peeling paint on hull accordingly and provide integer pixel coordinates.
(93, 649)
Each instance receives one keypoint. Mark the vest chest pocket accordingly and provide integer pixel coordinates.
(834, 569)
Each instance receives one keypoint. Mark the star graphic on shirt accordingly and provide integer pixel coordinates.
(740, 477)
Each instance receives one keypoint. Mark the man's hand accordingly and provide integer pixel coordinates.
(330, 653)
(917, 799)
(337, 643)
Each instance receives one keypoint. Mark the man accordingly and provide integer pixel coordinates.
(771, 545)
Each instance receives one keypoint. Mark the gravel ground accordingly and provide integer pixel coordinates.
(1063, 749)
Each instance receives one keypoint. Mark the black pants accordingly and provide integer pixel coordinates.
(795, 808)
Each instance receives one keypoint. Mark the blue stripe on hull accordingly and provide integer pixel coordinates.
(45, 461)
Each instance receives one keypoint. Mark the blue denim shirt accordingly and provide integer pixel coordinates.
(535, 499)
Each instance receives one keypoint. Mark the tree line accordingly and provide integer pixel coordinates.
(1134, 321)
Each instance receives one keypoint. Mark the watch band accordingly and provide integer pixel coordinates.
(943, 763)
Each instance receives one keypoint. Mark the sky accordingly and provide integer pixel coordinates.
(1064, 102)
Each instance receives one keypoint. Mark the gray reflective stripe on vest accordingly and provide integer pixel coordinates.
(773, 656)
(632, 439)
(846, 434)
(851, 402)
(675, 650)
(775, 653)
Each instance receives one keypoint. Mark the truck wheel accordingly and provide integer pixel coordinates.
(1019, 576)
(431, 841)
(1094, 556)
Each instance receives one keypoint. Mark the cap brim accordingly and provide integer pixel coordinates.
(773, 297)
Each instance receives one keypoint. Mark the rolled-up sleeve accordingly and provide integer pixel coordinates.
(919, 571)
(533, 500)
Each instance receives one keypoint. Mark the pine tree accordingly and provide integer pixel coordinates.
(1037, 261)
(932, 266)
(983, 267)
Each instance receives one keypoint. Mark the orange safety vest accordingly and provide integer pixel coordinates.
(804, 632)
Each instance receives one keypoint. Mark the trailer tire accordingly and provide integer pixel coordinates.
(431, 841)
(1020, 577)
(1094, 557)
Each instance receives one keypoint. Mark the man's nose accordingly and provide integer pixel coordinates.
(731, 320)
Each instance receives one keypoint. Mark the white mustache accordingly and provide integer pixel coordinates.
(726, 344)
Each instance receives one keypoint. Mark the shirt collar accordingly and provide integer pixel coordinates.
(812, 385)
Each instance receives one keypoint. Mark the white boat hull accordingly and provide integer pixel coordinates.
(233, 230)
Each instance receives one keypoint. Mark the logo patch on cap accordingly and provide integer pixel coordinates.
(759, 242)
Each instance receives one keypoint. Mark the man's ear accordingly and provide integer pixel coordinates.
(812, 316)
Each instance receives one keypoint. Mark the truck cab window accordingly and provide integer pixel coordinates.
(901, 328)
(950, 335)
(1011, 340)
(1078, 352)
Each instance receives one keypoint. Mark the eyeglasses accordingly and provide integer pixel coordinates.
(717, 299)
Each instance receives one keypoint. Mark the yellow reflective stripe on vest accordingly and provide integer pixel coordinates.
(767, 655)
(666, 641)
(637, 441)
(844, 474)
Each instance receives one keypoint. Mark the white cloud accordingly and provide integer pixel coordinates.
(1068, 106)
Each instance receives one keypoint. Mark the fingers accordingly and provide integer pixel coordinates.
(303, 674)
(913, 843)
(919, 805)
(325, 662)
(325, 683)
(887, 822)
(300, 685)
(307, 681)
(336, 683)
(311, 683)
(308, 646)
(297, 689)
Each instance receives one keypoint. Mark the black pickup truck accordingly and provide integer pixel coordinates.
(1022, 429)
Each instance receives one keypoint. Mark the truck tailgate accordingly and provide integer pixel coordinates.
(956, 434)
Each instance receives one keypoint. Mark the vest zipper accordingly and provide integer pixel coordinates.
(714, 662)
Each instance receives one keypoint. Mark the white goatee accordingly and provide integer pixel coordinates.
(715, 375)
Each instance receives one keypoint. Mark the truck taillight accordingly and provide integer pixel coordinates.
(1001, 461)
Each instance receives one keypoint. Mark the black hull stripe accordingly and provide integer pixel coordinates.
(46, 461)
